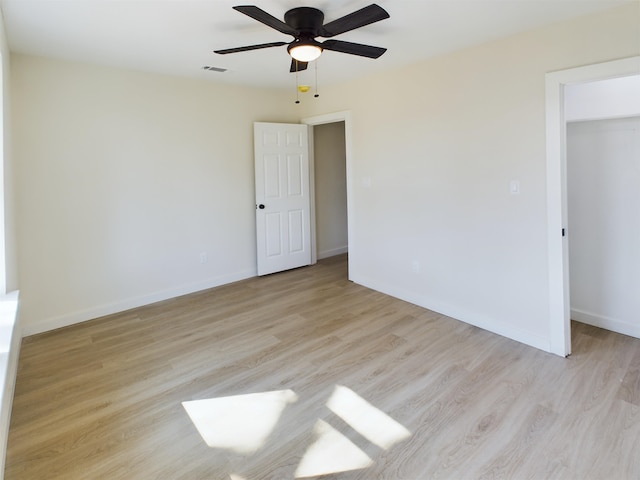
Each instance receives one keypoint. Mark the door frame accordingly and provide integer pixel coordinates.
(556, 140)
(343, 116)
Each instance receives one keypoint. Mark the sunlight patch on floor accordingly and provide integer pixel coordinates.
(373, 424)
(331, 452)
(241, 423)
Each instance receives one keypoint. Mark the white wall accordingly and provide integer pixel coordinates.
(10, 332)
(123, 179)
(8, 258)
(612, 98)
(330, 189)
(603, 180)
(440, 142)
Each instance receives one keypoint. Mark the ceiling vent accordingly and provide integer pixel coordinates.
(214, 69)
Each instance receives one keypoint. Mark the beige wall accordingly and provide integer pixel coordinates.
(330, 189)
(123, 180)
(440, 141)
(8, 268)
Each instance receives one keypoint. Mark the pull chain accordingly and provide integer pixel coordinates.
(297, 84)
(316, 69)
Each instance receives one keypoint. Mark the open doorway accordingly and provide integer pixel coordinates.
(330, 172)
(557, 214)
(330, 138)
(603, 189)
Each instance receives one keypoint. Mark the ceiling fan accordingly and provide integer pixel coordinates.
(305, 24)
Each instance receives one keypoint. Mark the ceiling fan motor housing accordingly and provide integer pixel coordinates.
(306, 20)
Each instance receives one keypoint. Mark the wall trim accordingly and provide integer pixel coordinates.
(130, 303)
(608, 323)
(462, 315)
(333, 252)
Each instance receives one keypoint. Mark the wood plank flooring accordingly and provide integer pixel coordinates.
(370, 387)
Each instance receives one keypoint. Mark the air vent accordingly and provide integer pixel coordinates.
(214, 69)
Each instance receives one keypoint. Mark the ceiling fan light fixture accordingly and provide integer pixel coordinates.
(305, 24)
(305, 52)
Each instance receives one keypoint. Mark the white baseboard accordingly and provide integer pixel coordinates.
(472, 318)
(135, 302)
(332, 252)
(607, 323)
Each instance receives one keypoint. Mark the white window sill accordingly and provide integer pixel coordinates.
(10, 339)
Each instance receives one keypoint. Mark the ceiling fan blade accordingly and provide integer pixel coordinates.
(371, 14)
(250, 47)
(264, 17)
(353, 48)
(297, 65)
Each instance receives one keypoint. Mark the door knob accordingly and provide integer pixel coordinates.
(261, 206)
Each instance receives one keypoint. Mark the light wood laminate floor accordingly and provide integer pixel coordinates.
(304, 374)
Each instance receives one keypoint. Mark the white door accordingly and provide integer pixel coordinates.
(283, 223)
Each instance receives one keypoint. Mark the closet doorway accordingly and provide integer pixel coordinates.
(330, 167)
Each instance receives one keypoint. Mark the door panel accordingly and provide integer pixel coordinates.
(296, 231)
(273, 238)
(272, 176)
(294, 175)
(282, 189)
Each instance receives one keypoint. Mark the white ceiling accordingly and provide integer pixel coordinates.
(178, 36)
